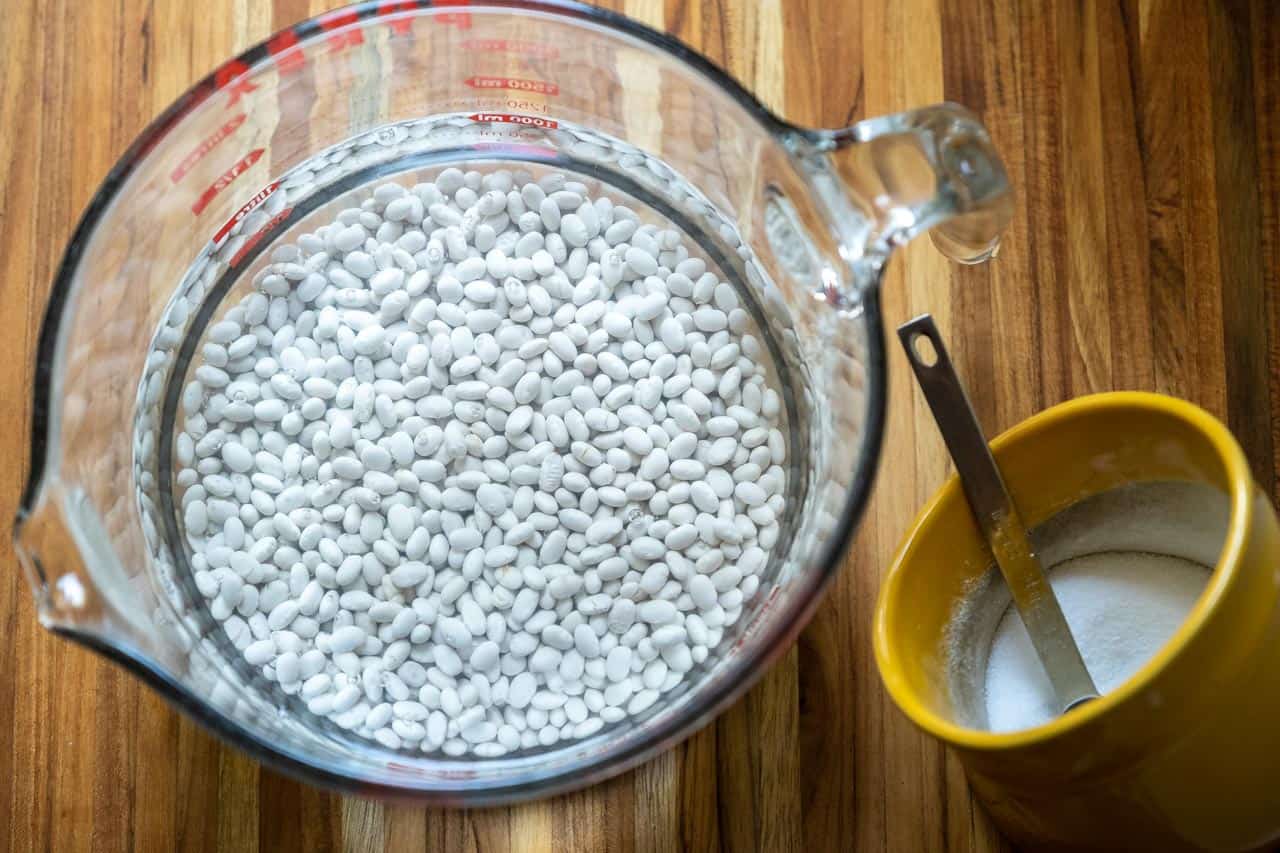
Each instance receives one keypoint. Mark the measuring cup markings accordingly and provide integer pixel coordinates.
(285, 53)
(516, 118)
(761, 612)
(346, 29)
(540, 87)
(230, 76)
(514, 105)
(520, 105)
(333, 21)
(401, 25)
(461, 20)
(405, 768)
(515, 46)
(520, 141)
(290, 57)
(225, 180)
(258, 198)
(480, 103)
(206, 145)
(500, 104)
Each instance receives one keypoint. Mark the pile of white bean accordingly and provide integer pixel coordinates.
(482, 465)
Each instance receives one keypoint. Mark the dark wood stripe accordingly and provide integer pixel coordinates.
(1244, 294)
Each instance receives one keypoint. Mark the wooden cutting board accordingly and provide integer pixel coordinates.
(1142, 140)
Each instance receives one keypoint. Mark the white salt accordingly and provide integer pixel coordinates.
(1122, 606)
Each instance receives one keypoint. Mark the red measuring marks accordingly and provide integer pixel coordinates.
(225, 179)
(344, 28)
(334, 23)
(247, 208)
(765, 607)
(282, 50)
(517, 84)
(513, 118)
(226, 77)
(258, 235)
(399, 26)
(516, 46)
(461, 20)
(206, 145)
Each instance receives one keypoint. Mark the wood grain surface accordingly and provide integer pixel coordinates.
(1142, 137)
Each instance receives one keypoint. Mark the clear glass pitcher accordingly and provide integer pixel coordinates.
(802, 221)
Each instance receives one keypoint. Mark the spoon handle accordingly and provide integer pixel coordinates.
(996, 514)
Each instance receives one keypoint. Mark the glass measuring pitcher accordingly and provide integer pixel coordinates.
(800, 221)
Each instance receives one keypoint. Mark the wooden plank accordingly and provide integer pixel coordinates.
(1142, 140)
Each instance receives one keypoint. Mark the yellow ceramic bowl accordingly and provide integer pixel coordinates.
(1186, 753)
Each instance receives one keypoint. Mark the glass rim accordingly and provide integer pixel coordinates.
(775, 635)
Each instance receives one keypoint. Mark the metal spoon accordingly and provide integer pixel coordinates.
(997, 516)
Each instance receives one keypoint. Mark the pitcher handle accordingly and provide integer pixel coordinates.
(888, 179)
